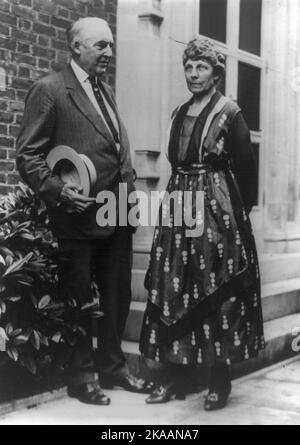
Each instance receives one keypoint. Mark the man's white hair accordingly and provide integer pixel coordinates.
(77, 28)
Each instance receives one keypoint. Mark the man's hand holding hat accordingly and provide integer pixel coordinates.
(73, 200)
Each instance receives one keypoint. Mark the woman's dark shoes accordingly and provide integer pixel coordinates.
(90, 393)
(216, 400)
(219, 388)
(162, 394)
(130, 383)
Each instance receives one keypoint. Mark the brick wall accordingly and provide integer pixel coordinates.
(32, 44)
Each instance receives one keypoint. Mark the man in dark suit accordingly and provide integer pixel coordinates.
(75, 108)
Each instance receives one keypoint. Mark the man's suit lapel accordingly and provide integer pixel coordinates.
(82, 102)
(113, 105)
(123, 136)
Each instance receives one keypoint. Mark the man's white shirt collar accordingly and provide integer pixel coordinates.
(81, 75)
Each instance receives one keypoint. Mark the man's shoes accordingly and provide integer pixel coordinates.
(90, 393)
(130, 383)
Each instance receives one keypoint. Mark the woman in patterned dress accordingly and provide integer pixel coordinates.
(204, 304)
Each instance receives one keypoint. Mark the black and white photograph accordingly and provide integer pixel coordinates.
(149, 215)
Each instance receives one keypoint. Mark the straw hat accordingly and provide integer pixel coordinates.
(73, 167)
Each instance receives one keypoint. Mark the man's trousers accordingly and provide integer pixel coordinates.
(109, 262)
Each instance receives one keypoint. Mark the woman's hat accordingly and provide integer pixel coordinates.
(201, 48)
(73, 167)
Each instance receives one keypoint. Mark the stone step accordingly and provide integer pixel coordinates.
(278, 300)
(140, 260)
(134, 321)
(274, 268)
(279, 267)
(139, 292)
(279, 339)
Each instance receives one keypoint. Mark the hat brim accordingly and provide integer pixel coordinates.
(72, 167)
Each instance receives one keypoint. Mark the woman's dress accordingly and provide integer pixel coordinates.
(204, 303)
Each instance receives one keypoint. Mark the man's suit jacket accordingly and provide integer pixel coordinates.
(58, 112)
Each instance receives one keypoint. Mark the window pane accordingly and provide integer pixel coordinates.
(250, 26)
(213, 19)
(255, 148)
(249, 94)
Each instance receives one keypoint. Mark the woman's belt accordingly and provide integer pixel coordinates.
(198, 169)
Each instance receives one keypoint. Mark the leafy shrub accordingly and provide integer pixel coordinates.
(37, 330)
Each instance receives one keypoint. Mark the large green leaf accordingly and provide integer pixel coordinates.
(17, 265)
(33, 299)
(9, 328)
(12, 352)
(28, 236)
(19, 278)
(81, 330)
(15, 298)
(6, 251)
(44, 301)
(44, 340)
(2, 307)
(27, 282)
(21, 339)
(15, 333)
(97, 314)
(89, 306)
(23, 188)
(30, 364)
(23, 225)
(3, 335)
(56, 337)
(9, 260)
(35, 340)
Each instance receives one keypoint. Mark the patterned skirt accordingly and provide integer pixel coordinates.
(204, 303)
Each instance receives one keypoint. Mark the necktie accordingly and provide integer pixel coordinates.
(103, 108)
